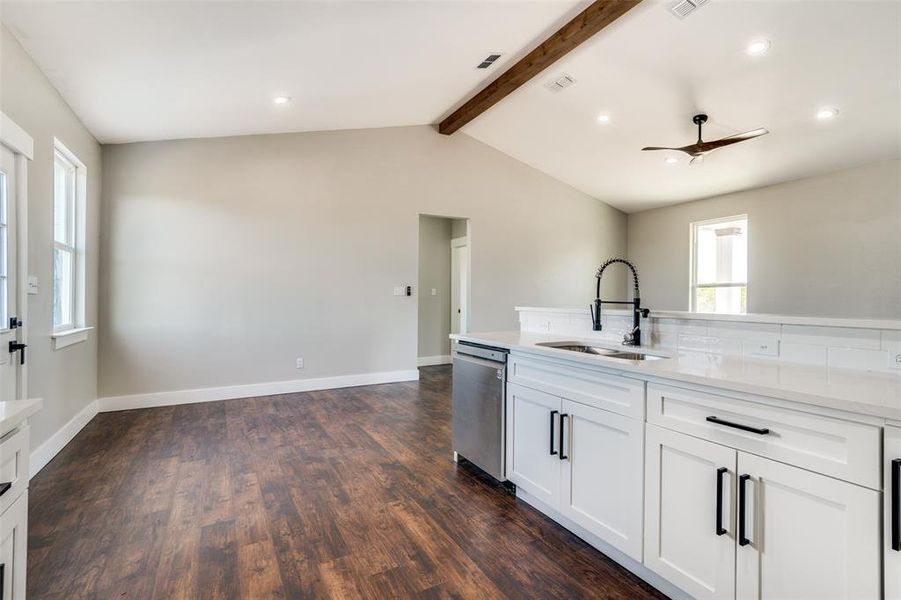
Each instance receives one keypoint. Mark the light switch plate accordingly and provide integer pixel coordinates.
(32, 284)
(398, 290)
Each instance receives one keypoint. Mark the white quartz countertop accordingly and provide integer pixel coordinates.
(14, 412)
(869, 393)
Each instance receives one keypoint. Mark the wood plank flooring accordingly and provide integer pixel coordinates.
(342, 493)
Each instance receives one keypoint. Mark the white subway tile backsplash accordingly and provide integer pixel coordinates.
(844, 347)
(807, 354)
(857, 358)
(839, 337)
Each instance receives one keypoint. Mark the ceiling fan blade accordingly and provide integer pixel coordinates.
(734, 139)
(685, 149)
(696, 160)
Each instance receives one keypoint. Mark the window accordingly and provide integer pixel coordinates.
(4, 250)
(68, 254)
(719, 270)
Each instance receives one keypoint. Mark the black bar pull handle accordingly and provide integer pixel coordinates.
(15, 346)
(757, 430)
(742, 540)
(896, 505)
(563, 418)
(2, 579)
(4, 487)
(720, 530)
(553, 451)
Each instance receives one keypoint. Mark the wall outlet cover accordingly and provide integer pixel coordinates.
(300, 363)
(32, 285)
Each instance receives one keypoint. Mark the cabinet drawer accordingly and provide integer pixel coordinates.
(13, 466)
(580, 384)
(841, 449)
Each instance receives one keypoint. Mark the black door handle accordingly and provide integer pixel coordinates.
(896, 505)
(4, 487)
(562, 417)
(553, 451)
(742, 540)
(720, 530)
(757, 430)
(2, 579)
(15, 346)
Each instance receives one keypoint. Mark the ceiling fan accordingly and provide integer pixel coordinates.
(700, 148)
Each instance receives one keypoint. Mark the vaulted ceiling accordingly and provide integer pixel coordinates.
(162, 70)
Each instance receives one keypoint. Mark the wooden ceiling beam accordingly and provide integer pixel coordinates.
(587, 23)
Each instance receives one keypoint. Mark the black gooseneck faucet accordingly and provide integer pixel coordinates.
(634, 337)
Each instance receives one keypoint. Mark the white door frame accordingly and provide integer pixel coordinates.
(463, 242)
(22, 146)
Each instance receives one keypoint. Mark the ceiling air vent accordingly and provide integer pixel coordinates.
(683, 8)
(561, 83)
(489, 60)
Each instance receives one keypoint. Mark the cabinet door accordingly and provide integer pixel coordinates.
(13, 541)
(807, 535)
(892, 494)
(689, 507)
(603, 474)
(535, 462)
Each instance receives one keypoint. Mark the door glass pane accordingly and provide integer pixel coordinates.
(63, 308)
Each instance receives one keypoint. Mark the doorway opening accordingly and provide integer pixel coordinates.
(444, 275)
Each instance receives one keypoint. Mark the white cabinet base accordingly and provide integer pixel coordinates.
(13, 545)
(625, 561)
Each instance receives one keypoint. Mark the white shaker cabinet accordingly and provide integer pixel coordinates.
(805, 535)
(603, 475)
(689, 513)
(892, 520)
(533, 434)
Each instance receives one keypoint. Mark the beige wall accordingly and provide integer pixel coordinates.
(434, 273)
(827, 245)
(225, 259)
(66, 379)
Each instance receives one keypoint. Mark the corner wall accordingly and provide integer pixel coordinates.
(67, 378)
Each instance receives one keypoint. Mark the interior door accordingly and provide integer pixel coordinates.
(892, 504)
(9, 363)
(536, 463)
(459, 290)
(604, 475)
(808, 535)
(689, 512)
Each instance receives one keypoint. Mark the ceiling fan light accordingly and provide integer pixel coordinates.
(824, 114)
(758, 47)
(671, 160)
(603, 118)
(281, 100)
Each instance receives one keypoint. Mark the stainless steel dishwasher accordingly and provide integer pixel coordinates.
(479, 392)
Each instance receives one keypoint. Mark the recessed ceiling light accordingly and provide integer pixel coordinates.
(758, 47)
(671, 160)
(603, 118)
(824, 114)
(281, 99)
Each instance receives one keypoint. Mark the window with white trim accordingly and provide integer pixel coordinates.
(4, 249)
(68, 252)
(719, 269)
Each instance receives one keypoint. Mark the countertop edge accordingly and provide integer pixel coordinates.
(643, 371)
(22, 410)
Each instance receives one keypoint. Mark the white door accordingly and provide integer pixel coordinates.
(603, 475)
(459, 285)
(892, 502)
(808, 536)
(689, 508)
(9, 363)
(535, 463)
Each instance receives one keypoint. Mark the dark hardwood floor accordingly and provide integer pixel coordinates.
(342, 493)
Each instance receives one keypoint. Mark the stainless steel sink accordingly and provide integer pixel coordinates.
(596, 350)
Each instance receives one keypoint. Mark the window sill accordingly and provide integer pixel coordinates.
(69, 337)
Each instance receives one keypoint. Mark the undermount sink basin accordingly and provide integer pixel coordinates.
(609, 352)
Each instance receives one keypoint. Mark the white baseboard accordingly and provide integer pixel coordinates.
(271, 388)
(627, 562)
(44, 453)
(428, 361)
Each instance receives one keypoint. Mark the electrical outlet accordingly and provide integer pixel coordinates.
(898, 361)
(434, 292)
(300, 363)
